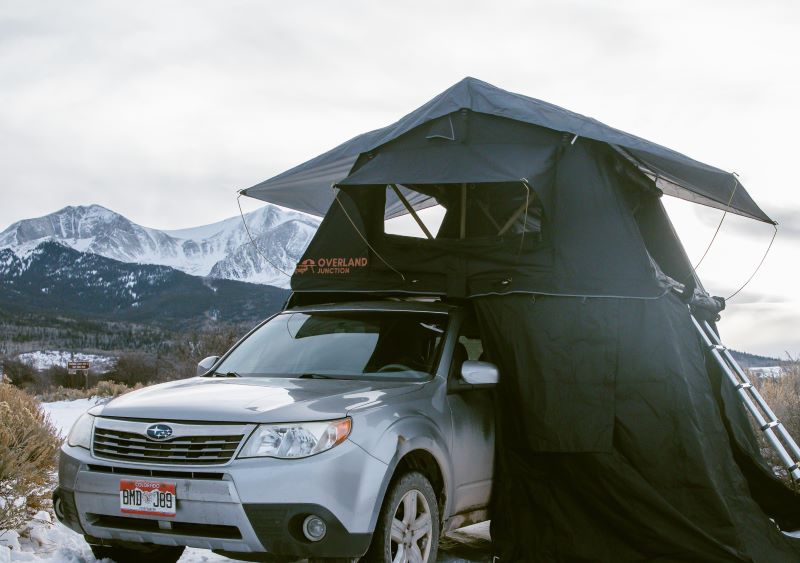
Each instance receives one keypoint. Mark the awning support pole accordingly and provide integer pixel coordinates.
(463, 211)
(410, 209)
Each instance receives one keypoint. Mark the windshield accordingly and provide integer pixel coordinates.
(342, 345)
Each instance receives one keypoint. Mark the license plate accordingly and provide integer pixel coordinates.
(148, 498)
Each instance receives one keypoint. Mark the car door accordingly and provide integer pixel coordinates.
(472, 412)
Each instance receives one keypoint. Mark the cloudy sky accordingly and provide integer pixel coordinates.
(162, 110)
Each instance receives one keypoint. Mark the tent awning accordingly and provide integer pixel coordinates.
(307, 187)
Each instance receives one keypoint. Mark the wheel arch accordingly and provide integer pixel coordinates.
(425, 460)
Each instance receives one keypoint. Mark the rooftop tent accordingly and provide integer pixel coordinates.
(617, 439)
(528, 209)
(476, 138)
(307, 187)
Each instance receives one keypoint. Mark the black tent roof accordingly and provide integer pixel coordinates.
(307, 187)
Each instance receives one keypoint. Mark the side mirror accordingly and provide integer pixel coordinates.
(206, 364)
(479, 374)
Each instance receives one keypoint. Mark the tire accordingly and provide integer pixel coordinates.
(408, 526)
(138, 553)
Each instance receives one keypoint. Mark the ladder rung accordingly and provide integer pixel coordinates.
(781, 441)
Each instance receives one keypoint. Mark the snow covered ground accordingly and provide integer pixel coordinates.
(767, 372)
(63, 414)
(44, 359)
(45, 541)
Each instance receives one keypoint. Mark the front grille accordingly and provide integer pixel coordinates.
(130, 446)
(182, 528)
(157, 473)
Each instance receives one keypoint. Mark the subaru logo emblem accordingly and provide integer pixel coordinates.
(159, 432)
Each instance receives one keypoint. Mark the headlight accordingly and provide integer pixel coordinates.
(81, 433)
(290, 441)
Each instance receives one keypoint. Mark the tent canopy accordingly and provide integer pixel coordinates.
(307, 187)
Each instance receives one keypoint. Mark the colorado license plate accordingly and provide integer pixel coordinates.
(148, 498)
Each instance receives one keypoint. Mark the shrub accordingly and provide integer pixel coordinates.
(19, 373)
(197, 345)
(102, 389)
(60, 376)
(28, 447)
(782, 394)
(132, 369)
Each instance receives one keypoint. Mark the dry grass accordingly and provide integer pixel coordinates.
(782, 394)
(102, 389)
(28, 448)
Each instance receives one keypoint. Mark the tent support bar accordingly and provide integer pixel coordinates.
(463, 211)
(482, 206)
(410, 209)
(513, 218)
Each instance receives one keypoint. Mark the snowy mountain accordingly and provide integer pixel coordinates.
(54, 279)
(219, 250)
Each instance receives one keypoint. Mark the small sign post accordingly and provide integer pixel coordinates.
(74, 368)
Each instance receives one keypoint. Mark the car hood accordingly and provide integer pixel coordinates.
(253, 399)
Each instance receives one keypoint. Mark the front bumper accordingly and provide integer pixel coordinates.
(246, 506)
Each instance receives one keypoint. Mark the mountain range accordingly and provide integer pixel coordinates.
(219, 250)
(56, 280)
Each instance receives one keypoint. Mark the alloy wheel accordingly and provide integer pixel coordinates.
(412, 529)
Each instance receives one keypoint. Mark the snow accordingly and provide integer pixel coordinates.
(198, 251)
(63, 414)
(44, 541)
(767, 372)
(225, 226)
(44, 359)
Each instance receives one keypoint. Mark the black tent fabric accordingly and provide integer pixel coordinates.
(307, 187)
(587, 241)
(614, 447)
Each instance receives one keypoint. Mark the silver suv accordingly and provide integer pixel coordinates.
(330, 432)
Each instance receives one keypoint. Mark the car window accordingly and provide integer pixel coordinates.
(341, 344)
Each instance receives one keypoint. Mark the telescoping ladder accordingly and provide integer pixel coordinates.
(773, 429)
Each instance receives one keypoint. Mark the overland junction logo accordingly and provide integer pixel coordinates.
(328, 266)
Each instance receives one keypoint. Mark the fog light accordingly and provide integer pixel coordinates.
(314, 528)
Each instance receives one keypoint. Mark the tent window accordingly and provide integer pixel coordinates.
(462, 211)
(423, 223)
(526, 217)
(492, 210)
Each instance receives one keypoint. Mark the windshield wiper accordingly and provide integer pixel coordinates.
(314, 376)
(226, 374)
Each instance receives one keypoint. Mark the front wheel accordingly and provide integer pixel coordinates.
(408, 526)
(137, 553)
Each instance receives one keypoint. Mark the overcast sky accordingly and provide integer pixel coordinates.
(162, 110)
